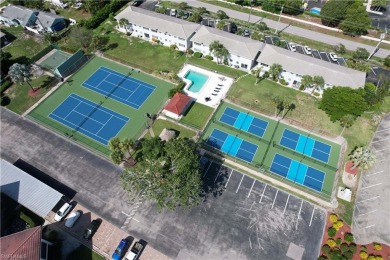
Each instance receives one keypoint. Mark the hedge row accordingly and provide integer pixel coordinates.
(102, 14)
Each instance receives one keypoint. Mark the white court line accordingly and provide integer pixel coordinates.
(312, 214)
(285, 206)
(273, 203)
(386, 129)
(207, 169)
(299, 213)
(218, 174)
(371, 186)
(373, 173)
(380, 140)
(263, 193)
(125, 214)
(372, 211)
(251, 188)
(229, 177)
(240, 183)
(135, 219)
(368, 199)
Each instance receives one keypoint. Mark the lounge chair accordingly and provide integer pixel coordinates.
(220, 85)
(214, 94)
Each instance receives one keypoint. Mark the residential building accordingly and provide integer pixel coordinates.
(177, 106)
(49, 22)
(243, 51)
(296, 65)
(155, 27)
(14, 15)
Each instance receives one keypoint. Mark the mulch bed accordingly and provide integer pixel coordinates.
(348, 168)
(32, 93)
(385, 252)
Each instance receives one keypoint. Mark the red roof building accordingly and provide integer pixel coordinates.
(178, 104)
(22, 245)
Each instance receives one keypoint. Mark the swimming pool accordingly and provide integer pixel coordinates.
(197, 79)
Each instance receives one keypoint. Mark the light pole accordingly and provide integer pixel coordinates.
(280, 14)
(377, 46)
(250, 10)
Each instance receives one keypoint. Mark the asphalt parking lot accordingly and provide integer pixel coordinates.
(372, 207)
(241, 218)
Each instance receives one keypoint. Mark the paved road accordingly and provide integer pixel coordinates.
(321, 37)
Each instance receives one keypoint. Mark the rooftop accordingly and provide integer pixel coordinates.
(16, 12)
(25, 244)
(178, 103)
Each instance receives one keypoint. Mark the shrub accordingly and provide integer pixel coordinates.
(209, 57)
(316, 94)
(332, 231)
(301, 87)
(335, 254)
(348, 237)
(198, 55)
(363, 255)
(371, 257)
(190, 52)
(5, 85)
(322, 257)
(348, 254)
(338, 241)
(377, 246)
(378, 257)
(352, 247)
(266, 75)
(333, 218)
(337, 225)
(387, 61)
(325, 249)
(103, 14)
(173, 91)
(344, 247)
(283, 82)
(331, 242)
(363, 248)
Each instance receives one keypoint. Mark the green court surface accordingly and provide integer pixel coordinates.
(137, 119)
(54, 60)
(269, 145)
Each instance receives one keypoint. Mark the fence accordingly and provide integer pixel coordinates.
(42, 53)
(129, 63)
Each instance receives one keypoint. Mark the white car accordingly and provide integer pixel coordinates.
(307, 50)
(292, 46)
(173, 12)
(333, 56)
(61, 213)
(72, 219)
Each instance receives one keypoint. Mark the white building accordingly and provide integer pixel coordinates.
(296, 65)
(243, 51)
(152, 26)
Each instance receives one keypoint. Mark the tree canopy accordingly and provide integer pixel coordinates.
(220, 51)
(361, 54)
(20, 73)
(387, 61)
(357, 20)
(168, 173)
(334, 11)
(340, 101)
(222, 15)
(80, 36)
(275, 71)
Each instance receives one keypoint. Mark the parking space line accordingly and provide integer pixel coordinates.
(240, 183)
(263, 193)
(372, 173)
(285, 206)
(368, 199)
(371, 186)
(370, 226)
(251, 188)
(125, 214)
(312, 214)
(380, 140)
(372, 211)
(299, 213)
(273, 203)
(229, 177)
(218, 173)
(386, 129)
(207, 169)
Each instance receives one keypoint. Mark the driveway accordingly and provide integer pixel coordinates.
(371, 220)
(308, 34)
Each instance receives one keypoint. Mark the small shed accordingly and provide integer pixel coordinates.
(167, 134)
(177, 106)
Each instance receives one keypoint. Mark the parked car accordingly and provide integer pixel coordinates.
(247, 33)
(61, 213)
(71, 220)
(292, 46)
(137, 3)
(186, 15)
(121, 249)
(333, 56)
(173, 12)
(91, 229)
(307, 50)
(135, 251)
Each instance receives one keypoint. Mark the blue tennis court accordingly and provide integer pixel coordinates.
(244, 121)
(120, 87)
(88, 118)
(305, 145)
(297, 172)
(232, 145)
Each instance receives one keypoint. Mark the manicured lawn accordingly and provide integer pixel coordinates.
(181, 132)
(83, 252)
(19, 94)
(211, 65)
(73, 13)
(197, 115)
(25, 46)
(259, 97)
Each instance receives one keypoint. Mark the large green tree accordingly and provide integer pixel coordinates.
(92, 6)
(99, 42)
(307, 81)
(21, 73)
(222, 15)
(318, 83)
(334, 12)
(346, 121)
(340, 101)
(168, 173)
(219, 51)
(293, 7)
(80, 37)
(120, 149)
(362, 157)
(5, 61)
(361, 54)
(357, 21)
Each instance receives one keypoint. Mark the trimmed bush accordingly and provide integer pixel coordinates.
(301, 87)
(266, 75)
(322, 257)
(332, 231)
(377, 246)
(348, 237)
(333, 218)
(198, 55)
(335, 254)
(338, 224)
(331, 243)
(338, 241)
(363, 255)
(282, 81)
(371, 257)
(352, 248)
(363, 248)
(209, 57)
(344, 247)
(325, 249)
(190, 52)
(348, 254)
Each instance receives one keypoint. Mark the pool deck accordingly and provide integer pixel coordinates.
(209, 87)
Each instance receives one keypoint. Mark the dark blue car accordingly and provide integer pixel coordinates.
(121, 249)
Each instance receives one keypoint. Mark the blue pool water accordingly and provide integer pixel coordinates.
(197, 79)
(315, 10)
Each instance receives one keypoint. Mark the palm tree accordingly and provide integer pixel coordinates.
(346, 122)
(127, 146)
(256, 72)
(123, 22)
(307, 80)
(218, 50)
(279, 104)
(290, 107)
(362, 158)
(21, 73)
(174, 48)
(275, 71)
(318, 83)
(224, 53)
(220, 25)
